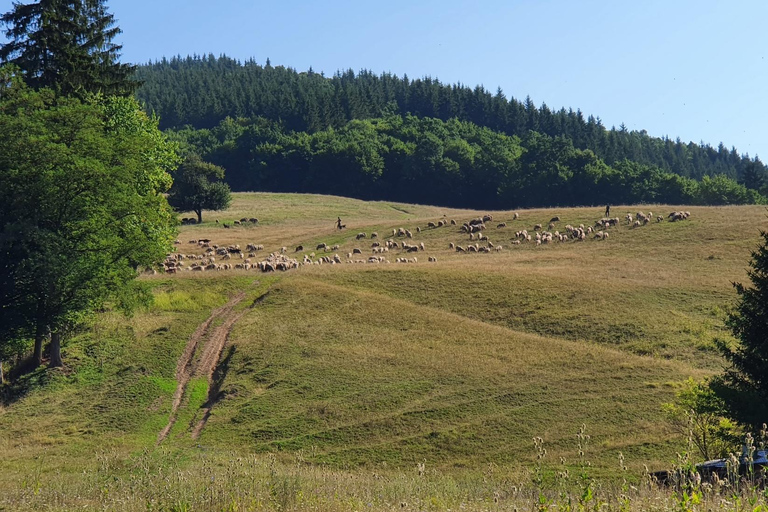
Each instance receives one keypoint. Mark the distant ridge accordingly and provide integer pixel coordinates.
(201, 91)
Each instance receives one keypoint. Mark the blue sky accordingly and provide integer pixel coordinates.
(693, 69)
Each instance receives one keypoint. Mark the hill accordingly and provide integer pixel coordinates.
(201, 91)
(328, 385)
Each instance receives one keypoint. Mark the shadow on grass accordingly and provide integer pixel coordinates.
(23, 377)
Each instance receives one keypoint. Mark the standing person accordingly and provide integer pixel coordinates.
(338, 223)
(607, 210)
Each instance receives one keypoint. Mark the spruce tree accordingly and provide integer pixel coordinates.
(66, 45)
(744, 385)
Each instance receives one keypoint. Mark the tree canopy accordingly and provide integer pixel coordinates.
(201, 91)
(66, 45)
(81, 206)
(452, 163)
(197, 187)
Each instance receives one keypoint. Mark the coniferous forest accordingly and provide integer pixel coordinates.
(387, 137)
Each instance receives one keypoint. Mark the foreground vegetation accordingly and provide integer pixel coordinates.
(344, 387)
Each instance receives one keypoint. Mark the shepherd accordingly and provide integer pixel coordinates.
(338, 223)
(607, 210)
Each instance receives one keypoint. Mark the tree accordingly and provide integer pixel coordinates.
(81, 207)
(196, 187)
(66, 45)
(744, 385)
(753, 176)
(698, 413)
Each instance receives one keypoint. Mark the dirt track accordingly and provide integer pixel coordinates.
(213, 344)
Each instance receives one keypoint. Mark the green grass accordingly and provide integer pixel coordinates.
(344, 377)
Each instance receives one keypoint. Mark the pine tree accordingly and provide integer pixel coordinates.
(744, 386)
(753, 175)
(66, 45)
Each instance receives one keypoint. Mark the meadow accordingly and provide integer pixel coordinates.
(389, 386)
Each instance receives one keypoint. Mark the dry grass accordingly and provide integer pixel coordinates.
(346, 377)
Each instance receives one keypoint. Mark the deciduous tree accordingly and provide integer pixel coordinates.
(81, 206)
(197, 187)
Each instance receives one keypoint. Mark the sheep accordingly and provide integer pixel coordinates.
(452, 245)
(515, 242)
(322, 246)
(421, 246)
(253, 220)
(335, 247)
(487, 218)
(374, 235)
(459, 248)
(431, 225)
(636, 224)
(418, 229)
(408, 234)
(537, 227)
(629, 219)
(501, 225)
(299, 248)
(556, 218)
(356, 251)
(515, 216)
(359, 236)
(400, 232)
(498, 248)
(551, 225)
(659, 218)
(375, 244)
(453, 222)
(432, 259)
(471, 236)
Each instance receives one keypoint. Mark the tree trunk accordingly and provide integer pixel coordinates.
(199, 216)
(2, 374)
(55, 361)
(42, 334)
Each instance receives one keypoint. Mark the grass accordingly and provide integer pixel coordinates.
(345, 377)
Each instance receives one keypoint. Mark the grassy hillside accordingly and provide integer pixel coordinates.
(335, 381)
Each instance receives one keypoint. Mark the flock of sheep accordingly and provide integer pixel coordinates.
(215, 257)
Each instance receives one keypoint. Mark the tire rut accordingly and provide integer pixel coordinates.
(214, 367)
(186, 367)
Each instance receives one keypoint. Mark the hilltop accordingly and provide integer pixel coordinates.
(202, 91)
(375, 368)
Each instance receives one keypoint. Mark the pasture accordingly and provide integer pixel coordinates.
(354, 385)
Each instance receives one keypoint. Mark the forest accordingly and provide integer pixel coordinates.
(382, 136)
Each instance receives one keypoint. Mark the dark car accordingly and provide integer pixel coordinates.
(719, 467)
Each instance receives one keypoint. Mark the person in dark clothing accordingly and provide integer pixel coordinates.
(338, 223)
(607, 210)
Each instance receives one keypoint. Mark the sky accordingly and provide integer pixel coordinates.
(681, 68)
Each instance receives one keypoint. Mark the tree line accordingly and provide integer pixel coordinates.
(452, 163)
(201, 91)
